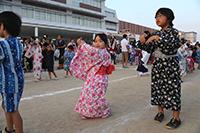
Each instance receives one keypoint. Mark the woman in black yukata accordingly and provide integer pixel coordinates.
(165, 77)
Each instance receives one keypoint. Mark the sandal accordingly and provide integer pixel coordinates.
(173, 123)
(159, 117)
(6, 131)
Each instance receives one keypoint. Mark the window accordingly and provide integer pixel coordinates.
(26, 12)
(62, 19)
(58, 18)
(1, 8)
(53, 17)
(95, 3)
(49, 17)
(42, 15)
(37, 14)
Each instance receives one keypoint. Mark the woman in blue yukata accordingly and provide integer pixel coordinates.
(11, 72)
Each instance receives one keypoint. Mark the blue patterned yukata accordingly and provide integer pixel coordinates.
(11, 73)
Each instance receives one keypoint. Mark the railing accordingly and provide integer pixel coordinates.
(111, 26)
(95, 3)
(51, 16)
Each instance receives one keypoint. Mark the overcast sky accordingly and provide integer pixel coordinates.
(187, 12)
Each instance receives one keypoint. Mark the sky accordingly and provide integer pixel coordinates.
(142, 12)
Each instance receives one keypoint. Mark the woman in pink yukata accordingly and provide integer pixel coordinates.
(93, 65)
(35, 50)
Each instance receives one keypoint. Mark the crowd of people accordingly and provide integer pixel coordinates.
(188, 56)
(39, 55)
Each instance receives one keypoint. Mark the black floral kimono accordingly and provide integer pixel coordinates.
(165, 77)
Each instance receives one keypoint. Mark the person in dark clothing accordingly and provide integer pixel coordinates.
(44, 54)
(60, 44)
(165, 76)
(50, 60)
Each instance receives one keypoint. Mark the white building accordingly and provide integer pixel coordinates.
(192, 36)
(111, 21)
(70, 18)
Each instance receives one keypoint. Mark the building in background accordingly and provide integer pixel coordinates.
(133, 29)
(191, 36)
(73, 18)
(136, 30)
(70, 18)
(111, 21)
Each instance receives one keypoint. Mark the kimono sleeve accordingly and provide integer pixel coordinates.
(169, 41)
(85, 59)
(1, 52)
(89, 52)
(147, 47)
(1, 69)
(30, 52)
(78, 67)
(21, 49)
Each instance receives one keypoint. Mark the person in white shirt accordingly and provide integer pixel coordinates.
(125, 48)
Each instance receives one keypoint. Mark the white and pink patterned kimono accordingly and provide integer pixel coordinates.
(36, 52)
(93, 66)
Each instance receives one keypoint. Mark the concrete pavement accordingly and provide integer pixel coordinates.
(47, 106)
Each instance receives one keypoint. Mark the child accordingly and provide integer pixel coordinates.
(166, 80)
(182, 55)
(112, 49)
(142, 67)
(198, 56)
(35, 50)
(189, 60)
(11, 71)
(68, 56)
(50, 60)
(132, 52)
(93, 64)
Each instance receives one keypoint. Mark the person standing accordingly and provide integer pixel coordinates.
(165, 76)
(112, 49)
(50, 60)
(142, 67)
(35, 50)
(93, 65)
(11, 71)
(197, 57)
(124, 47)
(60, 45)
(68, 56)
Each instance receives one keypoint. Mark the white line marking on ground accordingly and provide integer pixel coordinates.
(113, 125)
(69, 90)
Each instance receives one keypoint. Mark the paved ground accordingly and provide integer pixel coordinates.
(47, 106)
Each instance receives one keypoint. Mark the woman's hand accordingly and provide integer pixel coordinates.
(80, 42)
(142, 38)
(152, 38)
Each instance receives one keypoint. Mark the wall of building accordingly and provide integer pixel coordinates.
(86, 16)
(111, 21)
(59, 14)
(192, 36)
(133, 28)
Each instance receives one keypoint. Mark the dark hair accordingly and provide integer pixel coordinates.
(183, 40)
(148, 34)
(198, 44)
(168, 13)
(103, 37)
(124, 36)
(70, 47)
(11, 22)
